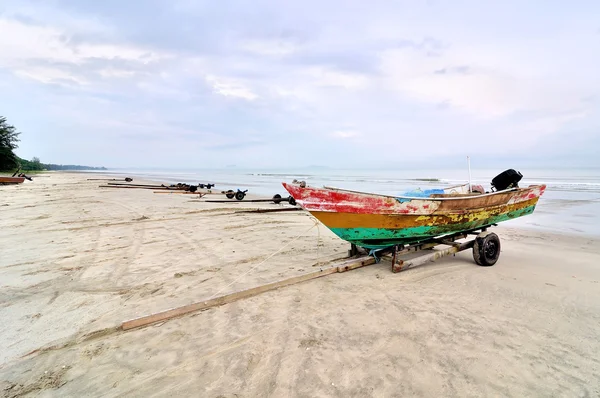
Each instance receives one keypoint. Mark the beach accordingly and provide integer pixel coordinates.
(77, 260)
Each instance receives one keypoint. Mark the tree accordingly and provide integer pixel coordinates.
(36, 163)
(8, 143)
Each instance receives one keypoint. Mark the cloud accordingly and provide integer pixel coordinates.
(46, 54)
(481, 89)
(230, 88)
(260, 79)
(270, 47)
(345, 134)
(455, 69)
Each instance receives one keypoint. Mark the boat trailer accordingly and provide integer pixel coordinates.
(486, 249)
(277, 198)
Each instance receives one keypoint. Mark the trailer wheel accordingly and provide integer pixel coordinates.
(230, 194)
(240, 195)
(277, 198)
(292, 201)
(486, 250)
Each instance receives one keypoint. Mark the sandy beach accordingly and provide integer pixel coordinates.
(77, 260)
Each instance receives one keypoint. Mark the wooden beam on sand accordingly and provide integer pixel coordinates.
(126, 186)
(181, 192)
(245, 201)
(229, 298)
(269, 210)
(415, 262)
(163, 189)
(127, 179)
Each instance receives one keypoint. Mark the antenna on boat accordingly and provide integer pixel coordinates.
(469, 165)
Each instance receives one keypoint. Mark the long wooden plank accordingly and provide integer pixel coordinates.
(281, 200)
(131, 187)
(178, 191)
(229, 298)
(228, 201)
(269, 210)
(217, 301)
(125, 184)
(181, 192)
(108, 179)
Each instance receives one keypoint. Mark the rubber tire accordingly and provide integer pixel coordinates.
(277, 198)
(240, 195)
(230, 194)
(292, 201)
(486, 250)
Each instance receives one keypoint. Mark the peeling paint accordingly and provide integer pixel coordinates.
(371, 220)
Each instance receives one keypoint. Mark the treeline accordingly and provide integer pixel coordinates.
(9, 137)
(71, 167)
(36, 165)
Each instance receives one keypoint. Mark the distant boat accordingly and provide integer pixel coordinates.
(11, 180)
(376, 221)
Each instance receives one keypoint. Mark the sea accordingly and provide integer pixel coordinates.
(571, 203)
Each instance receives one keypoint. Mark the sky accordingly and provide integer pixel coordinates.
(347, 84)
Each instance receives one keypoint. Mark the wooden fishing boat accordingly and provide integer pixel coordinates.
(377, 221)
(11, 180)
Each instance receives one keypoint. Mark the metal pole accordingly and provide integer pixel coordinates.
(469, 165)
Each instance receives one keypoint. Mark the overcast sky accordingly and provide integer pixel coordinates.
(256, 83)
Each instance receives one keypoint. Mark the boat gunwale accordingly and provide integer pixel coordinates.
(514, 190)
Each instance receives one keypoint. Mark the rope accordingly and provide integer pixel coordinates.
(373, 252)
(261, 263)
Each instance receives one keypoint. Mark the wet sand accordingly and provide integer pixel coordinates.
(76, 259)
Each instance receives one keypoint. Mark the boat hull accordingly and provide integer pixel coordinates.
(376, 221)
(12, 180)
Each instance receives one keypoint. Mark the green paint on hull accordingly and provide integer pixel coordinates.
(374, 238)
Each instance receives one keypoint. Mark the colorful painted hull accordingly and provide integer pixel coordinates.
(376, 221)
(11, 180)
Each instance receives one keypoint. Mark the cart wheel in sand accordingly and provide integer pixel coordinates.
(486, 249)
(240, 195)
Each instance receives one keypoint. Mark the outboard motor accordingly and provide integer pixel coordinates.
(507, 179)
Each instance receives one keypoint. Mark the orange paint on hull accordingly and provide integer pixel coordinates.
(399, 221)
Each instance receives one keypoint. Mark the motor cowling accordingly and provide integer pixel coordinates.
(507, 179)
